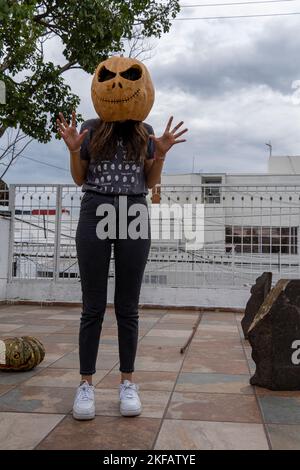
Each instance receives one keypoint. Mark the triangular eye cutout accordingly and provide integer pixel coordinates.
(105, 74)
(133, 73)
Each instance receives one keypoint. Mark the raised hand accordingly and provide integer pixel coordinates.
(168, 139)
(69, 133)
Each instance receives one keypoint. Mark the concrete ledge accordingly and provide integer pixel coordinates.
(143, 306)
(64, 292)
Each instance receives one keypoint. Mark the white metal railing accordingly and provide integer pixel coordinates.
(248, 229)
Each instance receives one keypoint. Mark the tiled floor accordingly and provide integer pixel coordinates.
(197, 400)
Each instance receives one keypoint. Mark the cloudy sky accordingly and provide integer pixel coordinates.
(234, 82)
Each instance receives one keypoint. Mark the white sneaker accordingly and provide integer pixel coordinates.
(84, 403)
(130, 404)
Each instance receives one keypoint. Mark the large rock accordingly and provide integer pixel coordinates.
(275, 338)
(259, 292)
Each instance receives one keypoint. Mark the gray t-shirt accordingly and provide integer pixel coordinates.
(116, 176)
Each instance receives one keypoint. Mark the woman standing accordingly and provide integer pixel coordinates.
(116, 158)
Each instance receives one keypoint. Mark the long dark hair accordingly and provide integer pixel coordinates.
(103, 145)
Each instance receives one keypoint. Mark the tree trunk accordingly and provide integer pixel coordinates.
(2, 130)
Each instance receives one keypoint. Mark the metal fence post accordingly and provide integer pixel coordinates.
(12, 209)
(58, 215)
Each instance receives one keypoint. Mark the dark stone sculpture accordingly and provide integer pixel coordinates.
(259, 292)
(275, 338)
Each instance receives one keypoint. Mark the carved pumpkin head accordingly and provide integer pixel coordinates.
(122, 89)
(22, 353)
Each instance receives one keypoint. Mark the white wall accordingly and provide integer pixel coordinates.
(284, 164)
(70, 291)
(4, 243)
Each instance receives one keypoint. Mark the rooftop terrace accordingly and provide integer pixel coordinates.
(197, 400)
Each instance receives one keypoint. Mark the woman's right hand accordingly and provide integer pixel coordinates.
(69, 133)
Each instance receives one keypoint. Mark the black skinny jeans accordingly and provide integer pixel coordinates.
(94, 258)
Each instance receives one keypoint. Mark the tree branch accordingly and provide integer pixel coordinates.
(4, 66)
(14, 152)
(67, 66)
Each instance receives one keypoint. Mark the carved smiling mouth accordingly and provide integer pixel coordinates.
(124, 100)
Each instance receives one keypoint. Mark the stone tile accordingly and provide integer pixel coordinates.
(5, 388)
(284, 436)
(218, 328)
(13, 378)
(109, 341)
(274, 393)
(280, 410)
(73, 330)
(167, 341)
(143, 331)
(44, 322)
(106, 348)
(66, 317)
(147, 363)
(153, 312)
(71, 361)
(32, 330)
(38, 400)
(223, 352)
(11, 319)
(147, 380)
(182, 333)
(109, 331)
(214, 407)
(105, 338)
(216, 345)
(218, 318)
(61, 338)
(47, 310)
(51, 358)
(251, 363)
(212, 335)
(173, 326)
(181, 319)
(221, 324)
(103, 433)
(201, 435)
(51, 377)
(214, 383)
(16, 308)
(7, 327)
(159, 351)
(146, 321)
(181, 311)
(153, 402)
(213, 363)
(23, 431)
(58, 348)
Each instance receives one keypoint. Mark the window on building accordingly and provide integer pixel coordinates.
(211, 194)
(261, 239)
(155, 279)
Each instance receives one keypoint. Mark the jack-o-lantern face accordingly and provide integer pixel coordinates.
(122, 89)
(20, 353)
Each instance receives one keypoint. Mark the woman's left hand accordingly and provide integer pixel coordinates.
(168, 139)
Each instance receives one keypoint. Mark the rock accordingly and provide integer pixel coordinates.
(259, 292)
(275, 338)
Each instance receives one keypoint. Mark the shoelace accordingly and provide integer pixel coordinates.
(84, 393)
(129, 390)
